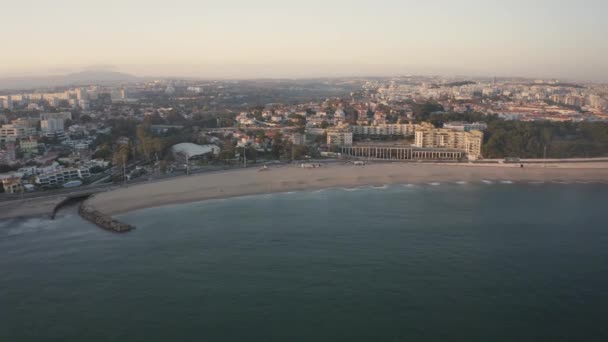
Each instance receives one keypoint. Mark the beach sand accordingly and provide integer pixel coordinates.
(243, 182)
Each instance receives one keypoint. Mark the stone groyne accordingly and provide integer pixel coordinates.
(102, 220)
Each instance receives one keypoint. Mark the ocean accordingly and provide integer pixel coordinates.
(493, 261)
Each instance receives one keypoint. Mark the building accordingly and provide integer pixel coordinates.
(162, 129)
(470, 142)
(339, 137)
(84, 104)
(8, 155)
(60, 115)
(52, 126)
(11, 183)
(29, 146)
(298, 139)
(18, 129)
(82, 94)
(8, 103)
(191, 150)
(62, 176)
(385, 129)
(465, 126)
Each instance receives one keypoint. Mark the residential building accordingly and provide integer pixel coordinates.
(465, 126)
(61, 176)
(29, 146)
(52, 126)
(60, 115)
(339, 137)
(470, 142)
(15, 131)
(8, 155)
(385, 129)
(12, 183)
(298, 139)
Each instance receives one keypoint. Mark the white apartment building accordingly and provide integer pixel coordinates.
(465, 126)
(386, 129)
(61, 176)
(470, 142)
(52, 126)
(339, 137)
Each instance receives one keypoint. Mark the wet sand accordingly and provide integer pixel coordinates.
(291, 178)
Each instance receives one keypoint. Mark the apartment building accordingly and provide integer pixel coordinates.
(386, 129)
(14, 131)
(12, 183)
(29, 146)
(470, 142)
(61, 176)
(52, 126)
(339, 137)
(465, 126)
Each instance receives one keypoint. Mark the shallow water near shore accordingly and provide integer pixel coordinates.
(436, 261)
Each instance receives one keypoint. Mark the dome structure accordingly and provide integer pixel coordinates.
(192, 150)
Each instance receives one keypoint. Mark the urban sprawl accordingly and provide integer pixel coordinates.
(98, 134)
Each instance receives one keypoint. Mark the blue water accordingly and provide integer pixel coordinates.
(433, 262)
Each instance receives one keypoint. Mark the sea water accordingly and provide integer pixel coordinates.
(491, 261)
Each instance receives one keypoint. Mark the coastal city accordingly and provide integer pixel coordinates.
(97, 134)
(327, 171)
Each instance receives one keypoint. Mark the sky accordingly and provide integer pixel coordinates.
(282, 38)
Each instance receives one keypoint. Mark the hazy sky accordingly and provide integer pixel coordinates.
(281, 38)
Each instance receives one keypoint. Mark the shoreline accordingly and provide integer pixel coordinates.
(248, 182)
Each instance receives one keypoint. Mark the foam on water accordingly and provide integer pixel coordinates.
(506, 182)
(485, 181)
(434, 184)
(25, 226)
(381, 187)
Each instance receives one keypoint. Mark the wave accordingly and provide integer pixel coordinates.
(434, 184)
(351, 189)
(485, 181)
(409, 185)
(462, 182)
(506, 182)
(24, 226)
(381, 187)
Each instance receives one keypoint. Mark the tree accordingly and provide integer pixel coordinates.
(324, 124)
(121, 155)
(103, 152)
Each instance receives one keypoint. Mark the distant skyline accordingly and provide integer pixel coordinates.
(280, 39)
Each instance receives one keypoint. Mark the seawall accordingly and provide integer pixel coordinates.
(102, 220)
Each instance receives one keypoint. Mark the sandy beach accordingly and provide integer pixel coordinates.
(291, 178)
